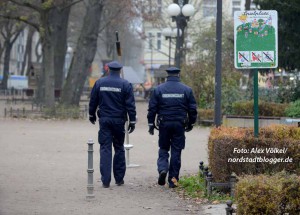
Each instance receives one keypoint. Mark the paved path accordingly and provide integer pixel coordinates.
(43, 167)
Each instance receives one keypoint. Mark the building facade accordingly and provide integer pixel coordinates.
(159, 52)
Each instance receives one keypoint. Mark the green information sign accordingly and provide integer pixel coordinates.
(255, 39)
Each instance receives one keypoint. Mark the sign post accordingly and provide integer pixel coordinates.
(255, 46)
(255, 102)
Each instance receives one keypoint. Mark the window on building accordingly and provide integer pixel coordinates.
(159, 6)
(236, 4)
(209, 11)
(209, 8)
(159, 41)
(209, 2)
(150, 39)
(151, 9)
(235, 9)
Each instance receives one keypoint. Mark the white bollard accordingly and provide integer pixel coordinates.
(127, 147)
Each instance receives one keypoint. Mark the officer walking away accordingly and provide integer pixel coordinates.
(114, 98)
(173, 105)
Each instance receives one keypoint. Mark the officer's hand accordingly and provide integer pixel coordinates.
(92, 119)
(131, 127)
(151, 129)
(188, 128)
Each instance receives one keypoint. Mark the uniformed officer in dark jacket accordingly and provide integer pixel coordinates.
(174, 107)
(114, 98)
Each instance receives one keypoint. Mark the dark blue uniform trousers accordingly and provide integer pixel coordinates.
(112, 133)
(171, 136)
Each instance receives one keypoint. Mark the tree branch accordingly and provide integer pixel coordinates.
(110, 19)
(21, 20)
(26, 4)
(70, 4)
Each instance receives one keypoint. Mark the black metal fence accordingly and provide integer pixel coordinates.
(209, 185)
(37, 111)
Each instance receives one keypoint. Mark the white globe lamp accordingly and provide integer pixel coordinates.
(173, 9)
(174, 33)
(167, 32)
(188, 10)
(189, 45)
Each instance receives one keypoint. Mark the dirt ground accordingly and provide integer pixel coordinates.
(43, 170)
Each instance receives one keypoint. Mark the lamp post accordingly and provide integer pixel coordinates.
(218, 75)
(151, 59)
(180, 11)
(169, 34)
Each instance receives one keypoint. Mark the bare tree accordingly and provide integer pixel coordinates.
(1, 38)
(84, 54)
(27, 52)
(45, 16)
(60, 19)
(10, 33)
(102, 18)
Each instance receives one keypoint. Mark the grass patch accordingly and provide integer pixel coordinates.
(193, 187)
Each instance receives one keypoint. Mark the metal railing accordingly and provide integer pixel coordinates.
(209, 185)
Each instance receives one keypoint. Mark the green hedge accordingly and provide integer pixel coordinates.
(237, 150)
(246, 108)
(293, 109)
(268, 195)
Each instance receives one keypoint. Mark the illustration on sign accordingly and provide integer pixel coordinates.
(255, 35)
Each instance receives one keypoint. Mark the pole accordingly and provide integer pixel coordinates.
(255, 94)
(151, 62)
(169, 51)
(90, 171)
(181, 24)
(218, 76)
(127, 146)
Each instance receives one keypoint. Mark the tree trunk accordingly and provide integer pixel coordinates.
(48, 72)
(8, 47)
(45, 91)
(84, 54)
(28, 52)
(8, 44)
(1, 49)
(61, 19)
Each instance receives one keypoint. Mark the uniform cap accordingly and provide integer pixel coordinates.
(115, 65)
(173, 70)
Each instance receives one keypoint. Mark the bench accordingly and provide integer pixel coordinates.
(293, 120)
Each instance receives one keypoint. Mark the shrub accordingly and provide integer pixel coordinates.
(62, 112)
(296, 92)
(246, 108)
(237, 150)
(206, 114)
(293, 109)
(263, 194)
(205, 117)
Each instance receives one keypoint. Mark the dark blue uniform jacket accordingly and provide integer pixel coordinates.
(172, 101)
(115, 98)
